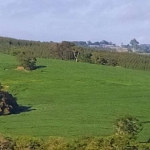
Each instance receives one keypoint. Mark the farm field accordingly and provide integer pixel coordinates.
(72, 99)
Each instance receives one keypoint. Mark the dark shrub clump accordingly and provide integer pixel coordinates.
(8, 104)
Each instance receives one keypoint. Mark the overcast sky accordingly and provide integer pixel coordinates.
(118, 21)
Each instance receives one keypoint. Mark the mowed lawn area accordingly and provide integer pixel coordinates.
(72, 99)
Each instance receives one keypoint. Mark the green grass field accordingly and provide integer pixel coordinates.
(73, 99)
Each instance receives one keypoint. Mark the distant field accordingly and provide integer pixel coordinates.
(73, 99)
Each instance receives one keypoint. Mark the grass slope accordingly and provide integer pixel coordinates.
(73, 99)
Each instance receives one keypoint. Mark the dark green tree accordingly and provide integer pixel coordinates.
(104, 42)
(134, 43)
(85, 57)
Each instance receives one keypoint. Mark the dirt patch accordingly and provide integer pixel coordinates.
(20, 68)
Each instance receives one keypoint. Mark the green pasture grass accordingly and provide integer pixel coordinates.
(72, 99)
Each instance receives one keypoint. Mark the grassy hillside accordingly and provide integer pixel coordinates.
(73, 99)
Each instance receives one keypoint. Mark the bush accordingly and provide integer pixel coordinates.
(26, 60)
(128, 125)
(6, 143)
(29, 143)
(8, 104)
(114, 142)
(57, 143)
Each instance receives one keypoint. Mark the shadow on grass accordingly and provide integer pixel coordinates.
(145, 122)
(38, 67)
(22, 109)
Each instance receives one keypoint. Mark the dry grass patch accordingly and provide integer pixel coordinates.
(21, 68)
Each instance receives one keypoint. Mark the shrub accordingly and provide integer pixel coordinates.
(6, 143)
(27, 60)
(57, 143)
(29, 143)
(8, 104)
(128, 125)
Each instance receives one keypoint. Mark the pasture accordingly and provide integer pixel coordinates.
(72, 99)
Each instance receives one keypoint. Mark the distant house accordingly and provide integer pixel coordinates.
(95, 46)
(121, 49)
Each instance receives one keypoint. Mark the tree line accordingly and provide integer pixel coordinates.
(27, 52)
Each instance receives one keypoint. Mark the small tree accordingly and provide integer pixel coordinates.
(128, 126)
(27, 60)
(76, 54)
(134, 43)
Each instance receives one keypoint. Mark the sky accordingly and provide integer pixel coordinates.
(117, 21)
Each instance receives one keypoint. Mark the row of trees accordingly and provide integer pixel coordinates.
(86, 44)
(28, 51)
(127, 60)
